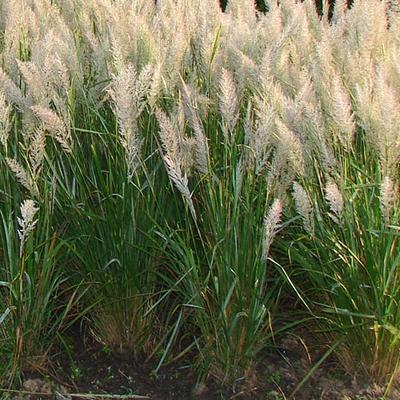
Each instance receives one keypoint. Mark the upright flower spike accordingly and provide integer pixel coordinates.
(37, 151)
(387, 197)
(22, 177)
(173, 158)
(342, 114)
(335, 200)
(271, 225)
(304, 207)
(26, 222)
(202, 157)
(13, 92)
(228, 102)
(55, 125)
(5, 125)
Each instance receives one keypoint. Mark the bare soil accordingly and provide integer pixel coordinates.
(92, 369)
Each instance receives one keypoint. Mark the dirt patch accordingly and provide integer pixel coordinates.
(93, 369)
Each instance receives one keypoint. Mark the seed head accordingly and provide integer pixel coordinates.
(304, 207)
(271, 225)
(335, 200)
(26, 222)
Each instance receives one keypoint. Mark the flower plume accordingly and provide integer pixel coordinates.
(26, 222)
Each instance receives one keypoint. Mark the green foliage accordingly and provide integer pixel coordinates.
(350, 263)
(147, 155)
(36, 296)
(226, 286)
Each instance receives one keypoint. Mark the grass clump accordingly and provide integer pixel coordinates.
(150, 155)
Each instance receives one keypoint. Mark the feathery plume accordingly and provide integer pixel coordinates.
(121, 92)
(304, 207)
(21, 175)
(26, 222)
(13, 93)
(5, 112)
(387, 197)
(36, 151)
(154, 89)
(271, 225)
(170, 138)
(142, 88)
(342, 113)
(202, 151)
(52, 123)
(130, 94)
(181, 182)
(335, 201)
(292, 143)
(339, 10)
(258, 134)
(228, 101)
(201, 144)
(35, 82)
(173, 159)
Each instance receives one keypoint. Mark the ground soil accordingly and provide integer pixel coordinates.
(90, 368)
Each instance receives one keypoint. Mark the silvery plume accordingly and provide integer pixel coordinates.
(271, 225)
(334, 198)
(27, 221)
